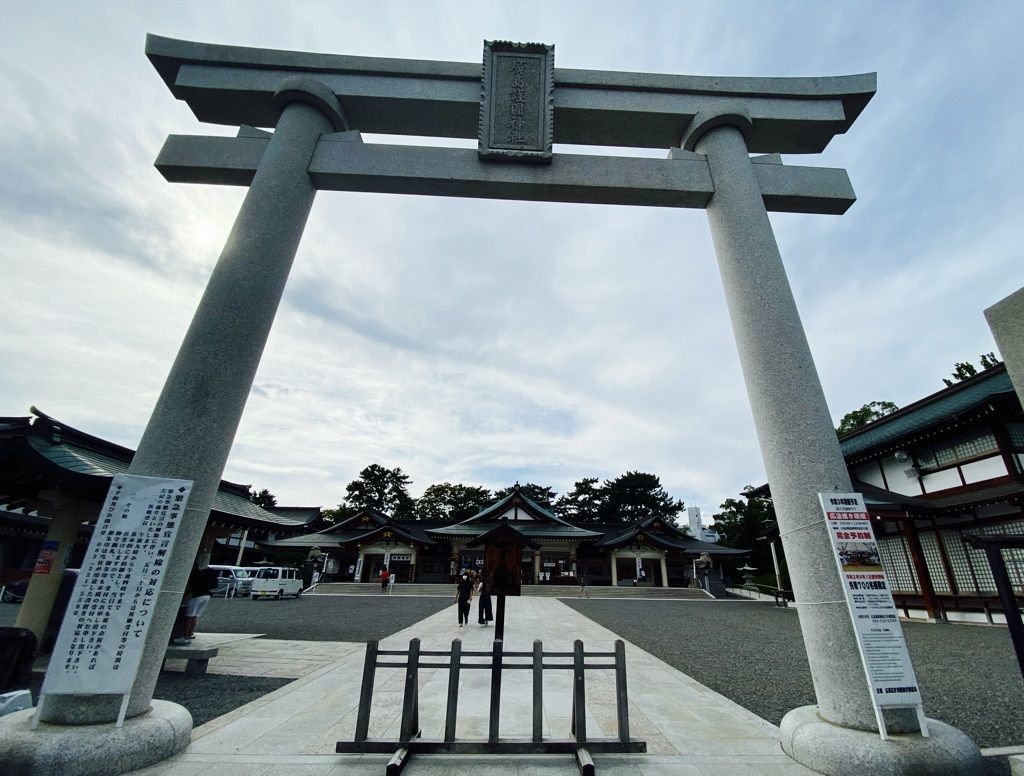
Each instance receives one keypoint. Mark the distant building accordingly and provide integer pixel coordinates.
(697, 528)
(650, 552)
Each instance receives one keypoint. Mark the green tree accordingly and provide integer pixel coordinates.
(962, 370)
(446, 501)
(583, 503)
(634, 496)
(332, 516)
(539, 494)
(870, 412)
(741, 523)
(386, 490)
(989, 360)
(264, 498)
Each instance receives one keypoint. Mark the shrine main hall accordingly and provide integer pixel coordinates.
(651, 552)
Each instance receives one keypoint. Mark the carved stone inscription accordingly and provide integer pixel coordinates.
(516, 107)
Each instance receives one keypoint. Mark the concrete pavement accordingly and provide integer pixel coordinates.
(690, 730)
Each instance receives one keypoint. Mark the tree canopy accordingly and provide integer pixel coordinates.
(741, 523)
(447, 501)
(634, 496)
(386, 490)
(264, 498)
(583, 503)
(963, 370)
(539, 494)
(870, 412)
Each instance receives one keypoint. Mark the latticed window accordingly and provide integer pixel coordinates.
(933, 560)
(896, 562)
(971, 577)
(1016, 432)
(1014, 559)
(955, 449)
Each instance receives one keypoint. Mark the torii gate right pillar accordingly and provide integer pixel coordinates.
(802, 457)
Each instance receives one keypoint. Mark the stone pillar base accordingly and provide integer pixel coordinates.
(93, 750)
(842, 751)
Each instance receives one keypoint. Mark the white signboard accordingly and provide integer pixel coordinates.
(883, 649)
(114, 600)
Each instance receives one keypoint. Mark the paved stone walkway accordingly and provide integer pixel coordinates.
(690, 730)
(242, 654)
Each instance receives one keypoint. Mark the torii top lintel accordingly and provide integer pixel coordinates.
(235, 85)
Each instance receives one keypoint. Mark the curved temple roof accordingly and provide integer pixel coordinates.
(234, 85)
(45, 452)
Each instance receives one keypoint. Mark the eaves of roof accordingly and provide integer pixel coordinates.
(67, 453)
(932, 411)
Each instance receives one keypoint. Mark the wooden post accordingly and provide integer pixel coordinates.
(499, 619)
(924, 578)
(495, 714)
(366, 693)
(1009, 601)
(538, 690)
(621, 699)
(452, 707)
(410, 701)
(579, 701)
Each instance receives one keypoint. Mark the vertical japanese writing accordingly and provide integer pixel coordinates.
(516, 127)
(115, 597)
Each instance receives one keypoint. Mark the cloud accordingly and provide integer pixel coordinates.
(480, 341)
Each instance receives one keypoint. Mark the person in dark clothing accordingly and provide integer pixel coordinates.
(463, 595)
(484, 614)
(201, 583)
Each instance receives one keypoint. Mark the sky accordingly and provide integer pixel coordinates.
(486, 342)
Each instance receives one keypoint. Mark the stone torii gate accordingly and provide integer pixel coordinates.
(318, 105)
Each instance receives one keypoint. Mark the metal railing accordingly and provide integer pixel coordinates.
(497, 660)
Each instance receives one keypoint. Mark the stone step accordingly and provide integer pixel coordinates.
(547, 591)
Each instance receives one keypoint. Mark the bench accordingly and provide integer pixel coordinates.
(198, 657)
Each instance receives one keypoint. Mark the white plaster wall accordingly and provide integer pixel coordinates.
(511, 514)
(985, 469)
(871, 473)
(948, 478)
(898, 481)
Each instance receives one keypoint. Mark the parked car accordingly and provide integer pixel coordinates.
(276, 582)
(232, 581)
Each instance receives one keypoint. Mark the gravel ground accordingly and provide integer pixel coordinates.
(206, 697)
(753, 654)
(314, 618)
(320, 618)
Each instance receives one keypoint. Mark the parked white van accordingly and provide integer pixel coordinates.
(231, 581)
(276, 582)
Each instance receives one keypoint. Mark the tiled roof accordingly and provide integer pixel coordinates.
(530, 528)
(68, 450)
(929, 411)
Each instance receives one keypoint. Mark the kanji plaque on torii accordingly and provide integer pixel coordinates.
(516, 103)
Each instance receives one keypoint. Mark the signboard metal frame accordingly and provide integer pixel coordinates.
(869, 602)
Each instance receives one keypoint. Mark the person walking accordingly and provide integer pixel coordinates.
(385, 577)
(484, 614)
(584, 593)
(463, 595)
